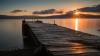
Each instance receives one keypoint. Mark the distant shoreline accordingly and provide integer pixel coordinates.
(49, 17)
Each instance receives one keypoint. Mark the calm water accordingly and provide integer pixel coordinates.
(90, 26)
(11, 29)
(10, 34)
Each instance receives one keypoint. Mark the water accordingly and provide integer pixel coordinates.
(11, 29)
(57, 41)
(10, 34)
(90, 26)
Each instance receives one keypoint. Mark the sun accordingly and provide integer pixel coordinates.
(77, 13)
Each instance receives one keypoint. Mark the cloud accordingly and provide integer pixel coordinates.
(17, 11)
(49, 11)
(91, 9)
(88, 0)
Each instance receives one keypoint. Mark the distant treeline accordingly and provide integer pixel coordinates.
(49, 17)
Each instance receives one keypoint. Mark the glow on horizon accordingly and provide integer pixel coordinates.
(91, 13)
(35, 5)
(77, 13)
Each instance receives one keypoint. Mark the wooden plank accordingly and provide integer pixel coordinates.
(62, 41)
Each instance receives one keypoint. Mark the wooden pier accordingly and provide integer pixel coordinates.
(32, 46)
(63, 41)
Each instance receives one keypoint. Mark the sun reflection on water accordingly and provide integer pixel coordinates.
(76, 24)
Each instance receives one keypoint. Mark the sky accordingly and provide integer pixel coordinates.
(7, 6)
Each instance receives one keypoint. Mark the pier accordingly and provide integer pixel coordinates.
(44, 39)
(63, 41)
(32, 46)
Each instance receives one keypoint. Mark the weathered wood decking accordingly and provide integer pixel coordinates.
(62, 41)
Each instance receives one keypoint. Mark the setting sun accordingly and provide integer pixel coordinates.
(77, 13)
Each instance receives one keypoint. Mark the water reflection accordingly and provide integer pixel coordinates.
(76, 24)
(10, 34)
(90, 26)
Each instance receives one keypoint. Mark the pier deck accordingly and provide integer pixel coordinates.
(63, 41)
